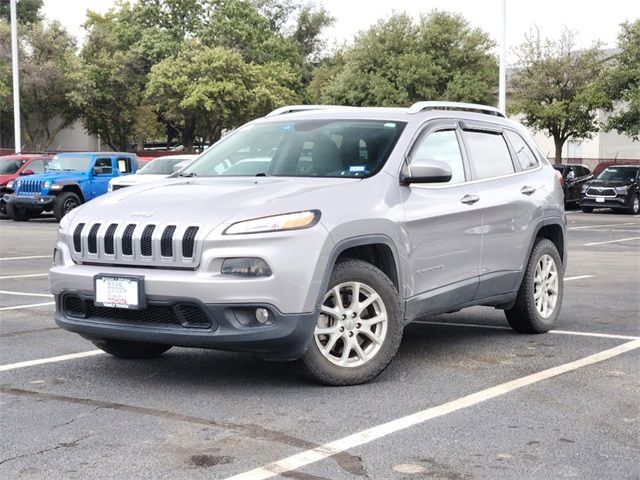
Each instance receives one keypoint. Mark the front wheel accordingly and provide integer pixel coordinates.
(540, 295)
(19, 214)
(131, 350)
(359, 327)
(3, 209)
(64, 203)
(634, 208)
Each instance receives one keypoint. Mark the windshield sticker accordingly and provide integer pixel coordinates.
(357, 168)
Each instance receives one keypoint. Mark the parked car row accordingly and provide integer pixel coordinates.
(33, 184)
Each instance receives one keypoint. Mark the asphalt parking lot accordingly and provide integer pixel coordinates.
(465, 398)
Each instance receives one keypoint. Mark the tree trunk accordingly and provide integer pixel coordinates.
(559, 143)
(188, 133)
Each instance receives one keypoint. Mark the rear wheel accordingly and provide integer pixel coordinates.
(19, 214)
(64, 203)
(131, 350)
(359, 327)
(587, 209)
(540, 295)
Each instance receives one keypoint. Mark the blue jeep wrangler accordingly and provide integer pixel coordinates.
(71, 179)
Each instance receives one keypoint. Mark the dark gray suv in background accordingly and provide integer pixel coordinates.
(316, 234)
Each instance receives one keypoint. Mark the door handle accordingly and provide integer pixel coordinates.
(470, 199)
(526, 190)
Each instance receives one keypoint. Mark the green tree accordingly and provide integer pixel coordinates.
(555, 88)
(48, 65)
(209, 89)
(622, 84)
(27, 11)
(397, 62)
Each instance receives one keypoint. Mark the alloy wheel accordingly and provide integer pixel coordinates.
(352, 325)
(545, 286)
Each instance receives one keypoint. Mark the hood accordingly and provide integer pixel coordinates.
(53, 176)
(7, 177)
(210, 201)
(138, 179)
(608, 183)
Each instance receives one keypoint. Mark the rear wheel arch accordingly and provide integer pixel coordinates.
(555, 233)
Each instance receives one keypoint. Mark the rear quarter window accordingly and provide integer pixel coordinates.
(524, 155)
(489, 154)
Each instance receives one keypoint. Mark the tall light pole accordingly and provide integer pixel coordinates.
(16, 82)
(502, 84)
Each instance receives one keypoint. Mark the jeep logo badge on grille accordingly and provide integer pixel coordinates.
(141, 213)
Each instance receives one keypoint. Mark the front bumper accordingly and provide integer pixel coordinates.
(30, 201)
(219, 326)
(618, 202)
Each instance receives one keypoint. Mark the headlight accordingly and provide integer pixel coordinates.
(46, 185)
(109, 187)
(276, 223)
(64, 221)
(10, 184)
(585, 188)
(18, 184)
(622, 189)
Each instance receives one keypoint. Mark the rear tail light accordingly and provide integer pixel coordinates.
(559, 176)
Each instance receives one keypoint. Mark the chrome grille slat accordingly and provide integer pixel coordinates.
(136, 243)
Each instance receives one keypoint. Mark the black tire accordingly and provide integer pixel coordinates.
(3, 209)
(321, 369)
(131, 350)
(19, 214)
(64, 203)
(524, 316)
(587, 209)
(634, 207)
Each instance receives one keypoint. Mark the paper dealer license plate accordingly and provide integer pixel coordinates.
(119, 292)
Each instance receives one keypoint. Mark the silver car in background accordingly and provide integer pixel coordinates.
(316, 234)
(157, 168)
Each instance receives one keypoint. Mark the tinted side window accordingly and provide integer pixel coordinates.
(37, 166)
(104, 164)
(489, 154)
(525, 156)
(442, 146)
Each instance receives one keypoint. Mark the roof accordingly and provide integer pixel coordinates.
(108, 154)
(25, 156)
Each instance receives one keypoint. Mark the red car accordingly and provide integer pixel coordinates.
(14, 166)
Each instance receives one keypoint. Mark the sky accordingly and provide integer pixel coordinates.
(593, 20)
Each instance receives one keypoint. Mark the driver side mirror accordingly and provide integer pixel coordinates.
(425, 170)
(27, 172)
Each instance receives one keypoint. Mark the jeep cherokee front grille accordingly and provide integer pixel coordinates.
(152, 244)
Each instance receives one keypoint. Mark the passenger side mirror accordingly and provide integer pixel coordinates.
(27, 172)
(425, 170)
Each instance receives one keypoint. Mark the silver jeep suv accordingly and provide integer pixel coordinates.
(316, 234)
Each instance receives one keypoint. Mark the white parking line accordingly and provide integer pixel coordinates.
(29, 275)
(24, 294)
(562, 332)
(24, 258)
(32, 305)
(297, 461)
(41, 361)
(577, 277)
(584, 227)
(612, 241)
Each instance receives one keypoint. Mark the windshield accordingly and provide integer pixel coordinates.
(10, 166)
(160, 166)
(302, 148)
(70, 163)
(619, 173)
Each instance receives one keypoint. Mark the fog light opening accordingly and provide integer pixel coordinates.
(262, 315)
